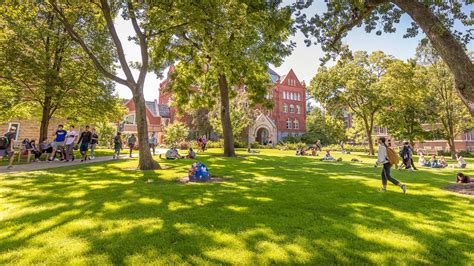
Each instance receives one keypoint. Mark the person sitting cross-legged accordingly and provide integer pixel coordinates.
(327, 156)
(191, 154)
(461, 162)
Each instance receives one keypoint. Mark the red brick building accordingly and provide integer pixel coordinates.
(287, 118)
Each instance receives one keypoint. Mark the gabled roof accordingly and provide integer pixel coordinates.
(152, 107)
(164, 110)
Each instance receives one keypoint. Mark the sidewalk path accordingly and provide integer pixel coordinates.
(56, 164)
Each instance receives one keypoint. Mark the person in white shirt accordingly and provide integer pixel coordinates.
(69, 143)
(383, 159)
(461, 162)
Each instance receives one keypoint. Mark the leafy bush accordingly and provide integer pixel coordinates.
(175, 133)
(351, 148)
(291, 146)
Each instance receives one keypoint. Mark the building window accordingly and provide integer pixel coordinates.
(284, 95)
(285, 108)
(288, 124)
(297, 124)
(17, 126)
(129, 119)
(299, 97)
(292, 108)
(298, 109)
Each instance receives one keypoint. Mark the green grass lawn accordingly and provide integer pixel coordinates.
(273, 208)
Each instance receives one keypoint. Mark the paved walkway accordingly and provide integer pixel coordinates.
(56, 164)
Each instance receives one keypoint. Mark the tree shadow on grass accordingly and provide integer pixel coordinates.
(270, 211)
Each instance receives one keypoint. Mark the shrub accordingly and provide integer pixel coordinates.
(175, 133)
(291, 146)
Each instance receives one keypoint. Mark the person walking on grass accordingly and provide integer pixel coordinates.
(85, 139)
(6, 146)
(69, 147)
(117, 145)
(153, 141)
(94, 142)
(59, 141)
(383, 159)
(131, 143)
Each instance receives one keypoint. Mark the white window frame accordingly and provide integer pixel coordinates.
(298, 109)
(288, 123)
(292, 108)
(296, 124)
(17, 125)
(134, 119)
(285, 108)
(299, 97)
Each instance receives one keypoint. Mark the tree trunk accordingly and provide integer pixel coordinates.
(368, 132)
(145, 160)
(45, 117)
(229, 150)
(452, 147)
(448, 47)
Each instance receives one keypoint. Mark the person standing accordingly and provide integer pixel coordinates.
(319, 146)
(153, 141)
(59, 141)
(6, 146)
(117, 145)
(383, 160)
(85, 139)
(94, 142)
(131, 143)
(69, 145)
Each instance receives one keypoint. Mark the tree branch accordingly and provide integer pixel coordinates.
(143, 43)
(75, 36)
(118, 45)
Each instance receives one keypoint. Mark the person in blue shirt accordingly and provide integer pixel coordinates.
(59, 142)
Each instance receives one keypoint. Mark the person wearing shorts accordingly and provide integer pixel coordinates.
(94, 142)
(8, 151)
(69, 144)
(153, 141)
(85, 139)
(59, 141)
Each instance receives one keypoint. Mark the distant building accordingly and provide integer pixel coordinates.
(287, 118)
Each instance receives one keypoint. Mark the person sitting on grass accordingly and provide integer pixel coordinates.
(461, 162)
(173, 154)
(314, 152)
(191, 154)
(442, 162)
(327, 156)
(434, 162)
(422, 161)
(462, 178)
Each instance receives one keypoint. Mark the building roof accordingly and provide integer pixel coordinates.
(164, 110)
(273, 75)
(152, 107)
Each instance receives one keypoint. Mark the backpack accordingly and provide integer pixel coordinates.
(393, 158)
(4, 143)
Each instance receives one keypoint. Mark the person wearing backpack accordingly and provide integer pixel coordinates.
(388, 157)
(6, 146)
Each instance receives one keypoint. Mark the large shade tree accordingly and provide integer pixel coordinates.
(435, 17)
(45, 74)
(354, 84)
(228, 46)
(406, 89)
(153, 22)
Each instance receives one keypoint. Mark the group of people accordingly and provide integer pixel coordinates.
(173, 154)
(434, 162)
(60, 148)
(65, 142)
(202, 143)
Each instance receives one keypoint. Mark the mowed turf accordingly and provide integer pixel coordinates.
(273, 208)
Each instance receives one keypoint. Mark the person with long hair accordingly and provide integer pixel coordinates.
(383, 160)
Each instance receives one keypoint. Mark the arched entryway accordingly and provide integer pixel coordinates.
(262, 136)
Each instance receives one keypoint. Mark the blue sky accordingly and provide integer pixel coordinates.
(304, 60)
